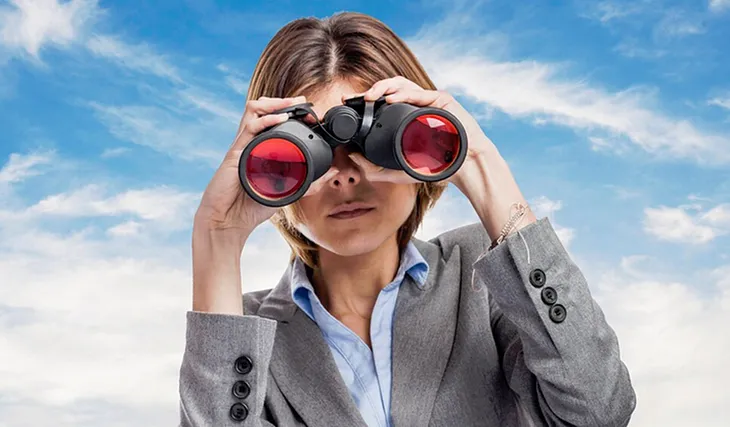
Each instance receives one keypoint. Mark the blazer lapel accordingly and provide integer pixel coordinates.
(423, 336)
(423, 333)
(303, 366)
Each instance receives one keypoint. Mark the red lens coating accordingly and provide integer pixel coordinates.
(430, 144)
(276, 168)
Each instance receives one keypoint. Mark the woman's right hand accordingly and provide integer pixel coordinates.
(225, 207)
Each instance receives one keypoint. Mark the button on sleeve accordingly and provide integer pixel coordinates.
(537, 278)
(241, 389)
(239, 411)
(243, 365)
(549, 295)
(558, 313)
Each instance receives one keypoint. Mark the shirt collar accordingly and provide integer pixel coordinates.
(412, 263)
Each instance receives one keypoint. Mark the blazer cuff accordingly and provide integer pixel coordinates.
(225, 366)
(535, 283)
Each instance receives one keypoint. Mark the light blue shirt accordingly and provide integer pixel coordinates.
(366, 373)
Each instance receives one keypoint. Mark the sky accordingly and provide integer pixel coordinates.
(614, 117)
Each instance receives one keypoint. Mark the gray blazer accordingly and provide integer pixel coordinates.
(512, 338)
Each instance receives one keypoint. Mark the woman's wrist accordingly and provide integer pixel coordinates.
(492, 191)
(217, 270)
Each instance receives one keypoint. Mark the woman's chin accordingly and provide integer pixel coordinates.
(352, 243)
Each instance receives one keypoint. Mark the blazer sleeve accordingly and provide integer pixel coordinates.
(560, 357)
(224, 371)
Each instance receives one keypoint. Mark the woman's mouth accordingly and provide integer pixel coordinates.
(351, 213)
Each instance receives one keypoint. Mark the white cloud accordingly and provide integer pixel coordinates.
(22, 166)
(90, 304)
(545, 207)
(623, 193)
(234, 79)
(29, 25)
(719, 216)
(667, 19)
(719, 5)
(681, 226)
(676, 23)
(114, 152)
(116, 299)
(697, 198)
(606, 11)
(532, 89)
(207, 102)
(238, 85)
(112, 304)
(140, 57)
(669, 339)
(632, 48)
(100, 308)
(662, 31)
(542, 206)
(162, 204)
(128, 228)
(172, 123)
(189, 138)
(722, 102)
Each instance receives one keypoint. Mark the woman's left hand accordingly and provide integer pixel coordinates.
(400, 89)
(484, 178)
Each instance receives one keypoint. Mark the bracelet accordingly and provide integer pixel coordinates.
(513, 221)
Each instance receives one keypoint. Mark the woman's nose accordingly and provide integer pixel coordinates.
(349, 174)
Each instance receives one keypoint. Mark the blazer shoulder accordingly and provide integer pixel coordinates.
(252, 300)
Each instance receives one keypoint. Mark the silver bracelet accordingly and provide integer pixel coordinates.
(513, 221)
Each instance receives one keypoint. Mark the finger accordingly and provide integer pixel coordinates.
(390, 175)
(388, 86)
(394, 176)
(265, 105)
(421, 98)
(254, 126)
(309, 119)
(366, 166)
(375, 173)
(320, 182)
(347, 96)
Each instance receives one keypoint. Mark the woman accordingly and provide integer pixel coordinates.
(486, 325)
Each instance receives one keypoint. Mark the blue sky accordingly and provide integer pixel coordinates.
(613, 115)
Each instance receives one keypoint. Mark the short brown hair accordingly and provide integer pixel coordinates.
(305, 57)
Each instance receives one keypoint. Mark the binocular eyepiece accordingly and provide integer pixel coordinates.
(280, 163)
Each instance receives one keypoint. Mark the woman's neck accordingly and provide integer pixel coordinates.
(350, 285)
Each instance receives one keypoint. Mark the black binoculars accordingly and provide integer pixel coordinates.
(279, 164)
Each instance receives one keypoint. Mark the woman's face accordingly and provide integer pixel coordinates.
(386, 205)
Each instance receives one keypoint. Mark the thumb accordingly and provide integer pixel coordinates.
(360, 160)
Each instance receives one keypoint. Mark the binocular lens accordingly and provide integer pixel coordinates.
(276, 168)
(430, 144)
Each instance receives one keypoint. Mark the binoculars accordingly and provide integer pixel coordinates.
(279, 164)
